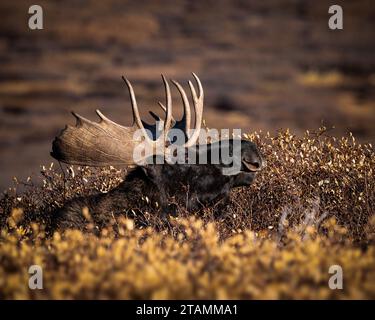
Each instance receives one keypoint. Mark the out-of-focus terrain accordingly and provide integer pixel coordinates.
(263, 65)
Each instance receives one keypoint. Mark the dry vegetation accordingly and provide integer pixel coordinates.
(312, 207)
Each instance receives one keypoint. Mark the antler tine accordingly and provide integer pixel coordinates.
(154, 115)
(198, 108)
(186, 119)
(102, 117)
(168, 116)
(136, 118)
(81, 120)
(161, 105)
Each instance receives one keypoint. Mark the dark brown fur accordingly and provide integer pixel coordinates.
(192, 186)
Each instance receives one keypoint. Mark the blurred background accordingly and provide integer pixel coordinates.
(264, 65)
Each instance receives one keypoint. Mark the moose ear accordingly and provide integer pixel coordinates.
(145, 170)
(148, 170)
(151, 171)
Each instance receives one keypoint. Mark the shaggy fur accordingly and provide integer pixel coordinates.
(192, 186)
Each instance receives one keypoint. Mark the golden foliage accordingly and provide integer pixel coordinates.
(312, 207)
(192, 264)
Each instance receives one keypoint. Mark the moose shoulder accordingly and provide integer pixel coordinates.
(188, 180)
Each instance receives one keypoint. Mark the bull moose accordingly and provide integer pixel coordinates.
(194, 183)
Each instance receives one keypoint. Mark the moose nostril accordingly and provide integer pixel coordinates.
(256, 164)
(253, 165)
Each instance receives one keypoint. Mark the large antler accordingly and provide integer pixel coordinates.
(108, 143)
(184, 123)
